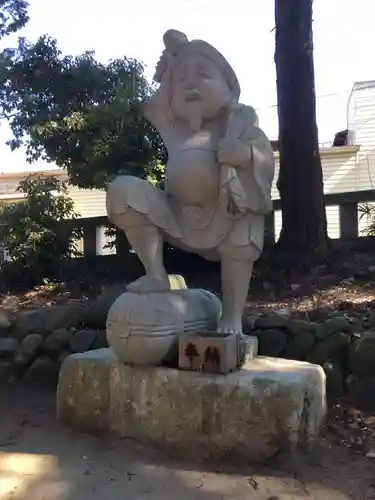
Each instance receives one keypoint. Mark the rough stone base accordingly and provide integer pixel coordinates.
(270, 405)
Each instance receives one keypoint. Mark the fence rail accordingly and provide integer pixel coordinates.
(348, 221)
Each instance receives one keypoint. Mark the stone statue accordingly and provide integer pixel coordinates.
(217, 180)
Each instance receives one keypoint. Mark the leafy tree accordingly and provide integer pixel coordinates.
(83, 115)
(367, 213)
(33, 231)
(13, 16)
(304, 227)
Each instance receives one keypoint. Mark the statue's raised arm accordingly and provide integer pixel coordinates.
(157, 109)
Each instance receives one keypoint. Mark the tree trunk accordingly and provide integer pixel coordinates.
(304, 227)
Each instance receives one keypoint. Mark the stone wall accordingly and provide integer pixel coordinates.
(34, 343)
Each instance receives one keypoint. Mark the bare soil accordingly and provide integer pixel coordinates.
(41, 460)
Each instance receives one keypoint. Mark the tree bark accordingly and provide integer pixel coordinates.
(304, 227)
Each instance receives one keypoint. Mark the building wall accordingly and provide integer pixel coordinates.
(361, 127)
(339, 165)
(88, 203)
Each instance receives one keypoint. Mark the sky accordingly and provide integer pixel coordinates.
(241, 29)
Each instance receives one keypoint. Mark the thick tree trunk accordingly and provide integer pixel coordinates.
(304, 227)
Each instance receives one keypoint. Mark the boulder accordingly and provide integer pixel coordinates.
(62, 358)
(101, 340)
(268, 406)
(272, 342)
(335, 380)
(42, 370)
(6, 371)
(296, 326)
(299, 345)
(328, 348)
(370, 320)
(46, 320)
(271, 321)
(28, 350)
(5, 322)
(362, 394)
(362, 355)
(331, 326)
(8, 346)
(83, 340)
(57, 341)
(95, 316)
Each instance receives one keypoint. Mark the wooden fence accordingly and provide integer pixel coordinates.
(348, 220)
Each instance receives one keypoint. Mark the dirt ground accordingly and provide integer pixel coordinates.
(41, 460)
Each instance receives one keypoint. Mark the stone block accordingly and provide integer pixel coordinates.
(269, 405)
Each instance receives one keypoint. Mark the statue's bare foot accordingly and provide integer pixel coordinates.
(230, 324)
(149, 284)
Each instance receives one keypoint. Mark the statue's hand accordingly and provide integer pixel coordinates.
(232, 151)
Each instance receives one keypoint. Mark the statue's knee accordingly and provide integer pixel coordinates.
(249, 253)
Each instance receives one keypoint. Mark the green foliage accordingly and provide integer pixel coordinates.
(85, 116)
(367, 213)
(33, 230)
(13, 16)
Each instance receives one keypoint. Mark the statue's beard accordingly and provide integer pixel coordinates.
(194, 115)
(190, 113)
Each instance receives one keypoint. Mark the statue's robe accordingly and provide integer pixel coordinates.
(213, 229)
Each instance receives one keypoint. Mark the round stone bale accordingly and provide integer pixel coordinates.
(143, 328)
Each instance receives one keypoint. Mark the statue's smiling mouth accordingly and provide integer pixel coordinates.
(193, 96)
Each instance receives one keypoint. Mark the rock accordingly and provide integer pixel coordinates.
(356, 325)
(8, 346)
(28, 349)
(362, 355)
(296, 326)
(6, 371)
(335, 380)
(319, 314)
(370, 320)
(331, 326)
(248, 325)
(57, 341)
(142, 328)
(46, 320)
(328, 348)
(362, 394)
(5, 315)
(270, 405)
(271, 342)
(95, 316)
(271, 321)
(62, 358)
(101, 340)
(42, 370)
(299, 345)
(83, 340)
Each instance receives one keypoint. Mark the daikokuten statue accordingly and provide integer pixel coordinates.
(217, 180)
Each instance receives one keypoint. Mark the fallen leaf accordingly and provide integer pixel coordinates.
(253, 483)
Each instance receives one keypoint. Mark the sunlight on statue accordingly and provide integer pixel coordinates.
(218, 177)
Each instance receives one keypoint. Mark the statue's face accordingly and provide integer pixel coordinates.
(199, 91)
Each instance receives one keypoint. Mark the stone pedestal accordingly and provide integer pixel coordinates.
(269, 405)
